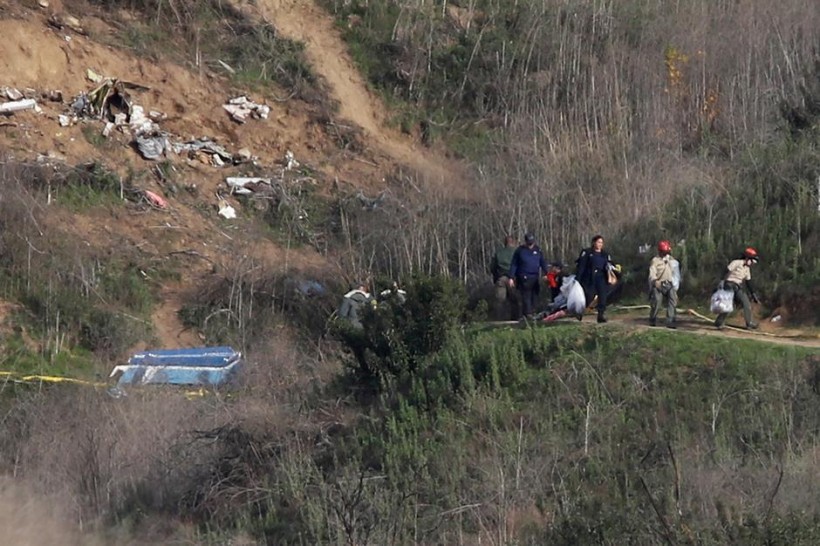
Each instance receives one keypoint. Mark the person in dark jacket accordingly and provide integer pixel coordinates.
(525, 273)
(594, 265)
(505, 302)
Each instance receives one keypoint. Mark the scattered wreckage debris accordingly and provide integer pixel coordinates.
(241, 108)
(111, 102)
(106, 101)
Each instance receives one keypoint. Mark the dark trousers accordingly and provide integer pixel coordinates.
(599, 288)
(528, 288)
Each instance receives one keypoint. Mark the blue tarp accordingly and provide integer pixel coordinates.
(208, 366)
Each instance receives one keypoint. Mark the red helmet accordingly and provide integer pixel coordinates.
(664, 247)
(750, 254)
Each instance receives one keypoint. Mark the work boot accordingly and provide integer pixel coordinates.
(601, 317)
(718, 325)
(752, 326)
(671, 324)
(653, 322)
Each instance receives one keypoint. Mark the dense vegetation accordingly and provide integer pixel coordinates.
(562, 435)
(698, 123)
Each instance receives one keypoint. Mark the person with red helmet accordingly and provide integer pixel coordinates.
(739, 276)
(664, 281)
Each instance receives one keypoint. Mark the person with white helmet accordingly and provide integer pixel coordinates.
(739, 276)
(664, 281)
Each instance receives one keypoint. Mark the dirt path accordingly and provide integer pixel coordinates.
(689, 325)
(635, 318)
(168, 328)
(304, 21)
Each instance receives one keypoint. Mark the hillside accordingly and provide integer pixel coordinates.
(38, 56)
(400, 141)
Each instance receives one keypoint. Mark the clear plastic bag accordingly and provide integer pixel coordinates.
(723, 301)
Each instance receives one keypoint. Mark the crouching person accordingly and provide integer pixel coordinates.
(353, 303)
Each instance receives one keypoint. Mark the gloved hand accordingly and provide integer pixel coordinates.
(755, 298)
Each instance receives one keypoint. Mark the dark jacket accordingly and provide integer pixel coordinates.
(589, 263)
(527, 262)
(502, 259)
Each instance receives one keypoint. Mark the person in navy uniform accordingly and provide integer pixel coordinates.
(526, 269)
(594, 266)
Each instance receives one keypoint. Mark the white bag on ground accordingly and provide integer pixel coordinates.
(723, 301)
(576, 299)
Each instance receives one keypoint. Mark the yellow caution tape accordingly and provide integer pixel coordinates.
(18, 377)
(24, 378)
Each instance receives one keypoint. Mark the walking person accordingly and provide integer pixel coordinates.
(664, 282)
(504, 304)
(525, 273)
(738, 279)
(595, 270)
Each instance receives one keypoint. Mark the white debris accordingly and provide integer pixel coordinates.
(290, 161)
(240, 108)
(109, 126)
(777, 318)
(245, 185)
(65, 120)
(226, 211)
(11, 93)
(93, 76)
(18, 106)
(139, 123)
(72, 22)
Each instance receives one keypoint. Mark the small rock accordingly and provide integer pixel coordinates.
(43, 3)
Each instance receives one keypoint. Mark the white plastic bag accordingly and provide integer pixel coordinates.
(723, 301)
(676, 277)
(576, 299)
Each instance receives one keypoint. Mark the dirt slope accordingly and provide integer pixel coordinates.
(304, 21)
(34, 55)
